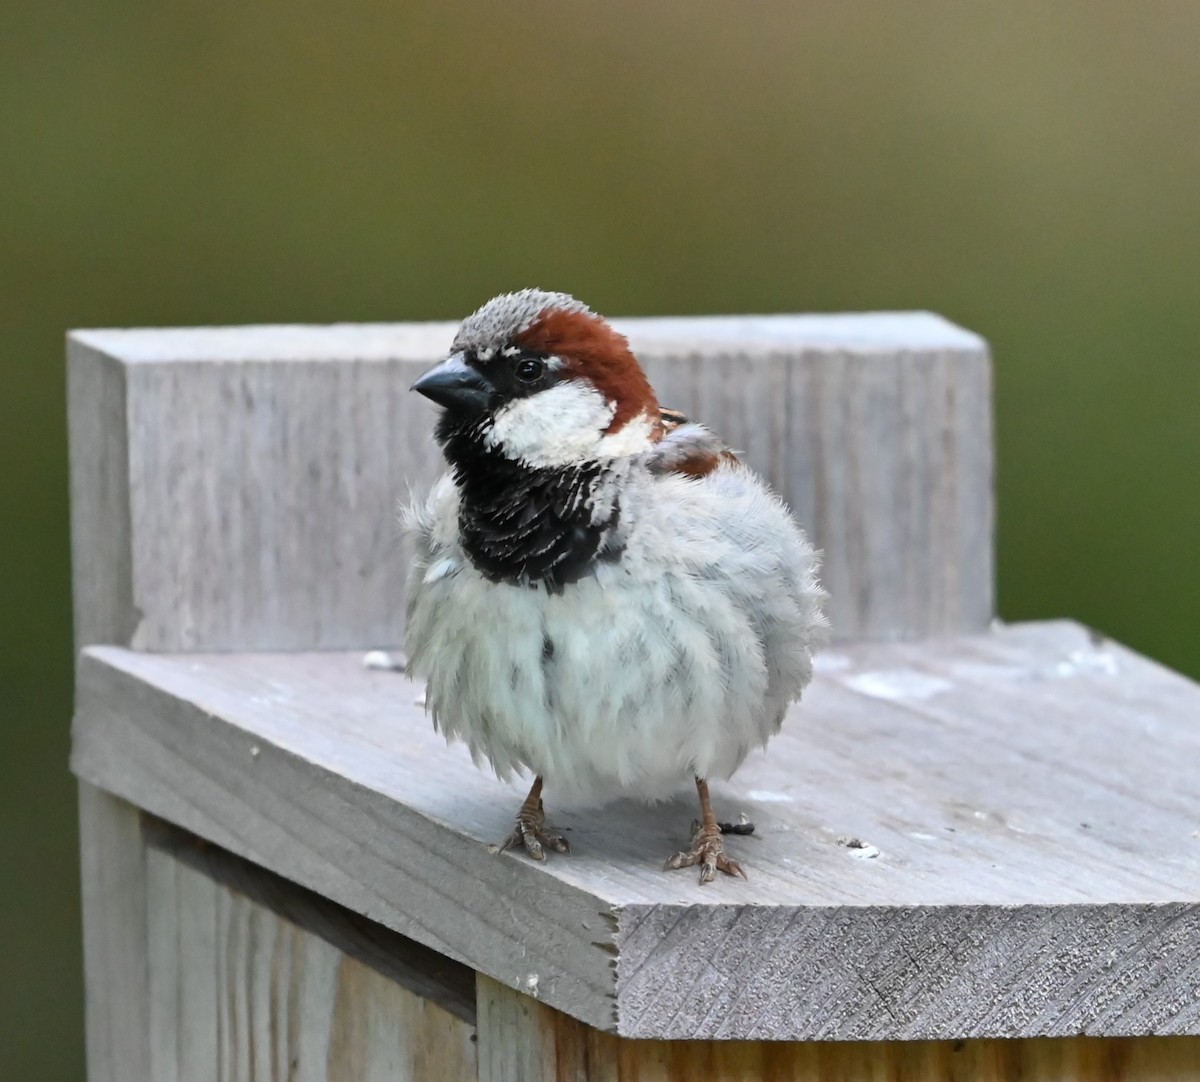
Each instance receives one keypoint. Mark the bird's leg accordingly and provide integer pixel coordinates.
(707, 849)
(531, 831)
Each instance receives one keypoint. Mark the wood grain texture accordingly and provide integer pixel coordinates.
(405, 962)
(522, 1040)
(115, 946)
(991, 835)
(288, 815)
(259, 503)
(101, 527)
(236, 488)
(238, 993)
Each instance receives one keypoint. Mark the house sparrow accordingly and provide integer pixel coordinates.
(600, 592)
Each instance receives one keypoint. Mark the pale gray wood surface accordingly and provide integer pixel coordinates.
(239, 993)
(115, 944)
(237, 488)
(102, 579)
(993, 835)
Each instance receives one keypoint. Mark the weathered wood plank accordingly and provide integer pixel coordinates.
(115, 922)
(288, 813)
(190, 977)
(258, 505)
(1024, 802)
(237, 992)
(515, 1045)
(422, 971)
(102, 578)
(522, 1040)
(236, 488)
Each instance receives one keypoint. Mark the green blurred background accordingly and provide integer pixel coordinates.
(1030, 170)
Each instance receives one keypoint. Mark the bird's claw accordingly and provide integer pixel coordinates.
(531, 834)
(709, 852)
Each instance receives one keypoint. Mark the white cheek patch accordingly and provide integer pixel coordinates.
(556, 427)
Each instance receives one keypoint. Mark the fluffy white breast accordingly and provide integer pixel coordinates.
(675, 660)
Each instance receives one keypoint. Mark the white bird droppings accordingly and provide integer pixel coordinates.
(859, 849)
(1082, 662)
(898, 684)
(382, 661)
(766, 796)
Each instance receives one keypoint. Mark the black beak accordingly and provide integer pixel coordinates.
(455, 385)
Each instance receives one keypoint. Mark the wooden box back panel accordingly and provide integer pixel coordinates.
(237, 488)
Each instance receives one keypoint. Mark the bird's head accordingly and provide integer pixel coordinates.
(541, 379)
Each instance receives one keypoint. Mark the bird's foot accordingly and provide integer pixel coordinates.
(532, 834)
(709, 852)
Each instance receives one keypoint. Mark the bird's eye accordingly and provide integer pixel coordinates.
(530, 369)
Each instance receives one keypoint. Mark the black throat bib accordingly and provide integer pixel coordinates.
(522, 525)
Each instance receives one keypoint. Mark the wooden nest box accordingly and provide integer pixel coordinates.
(977, 853)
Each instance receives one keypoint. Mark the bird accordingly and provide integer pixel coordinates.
(600, 593)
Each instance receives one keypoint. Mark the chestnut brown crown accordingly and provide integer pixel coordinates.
(518, 344)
